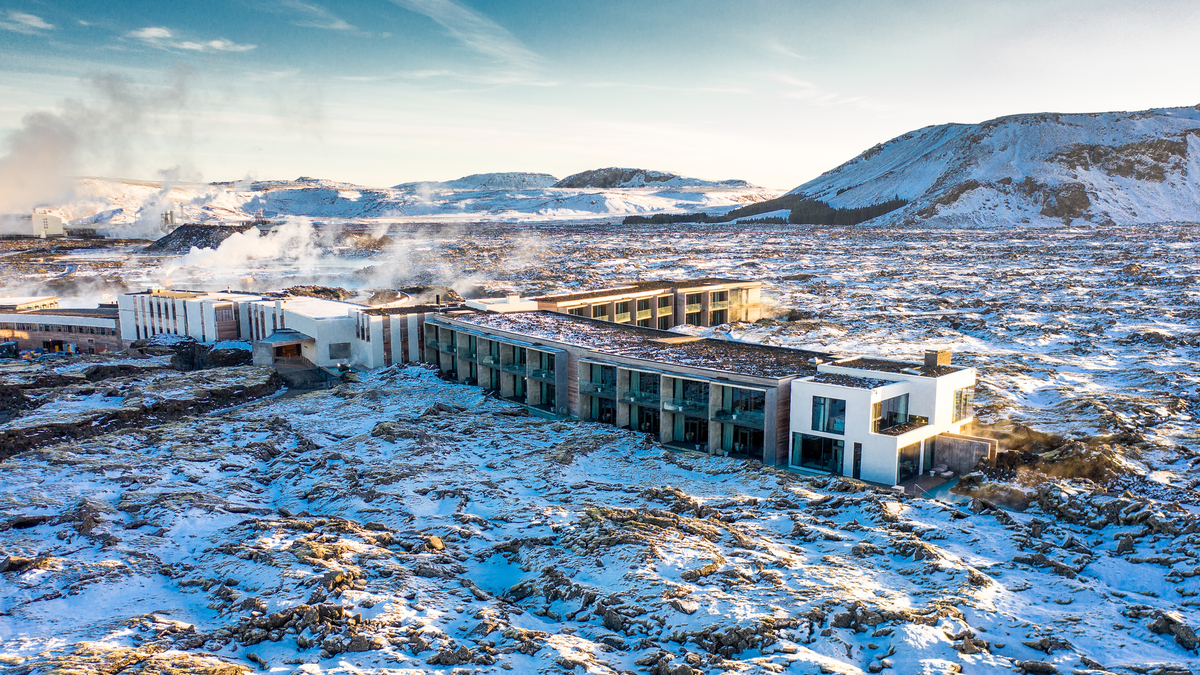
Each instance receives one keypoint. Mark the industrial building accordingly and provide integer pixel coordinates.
(39, 323)
(664, 304)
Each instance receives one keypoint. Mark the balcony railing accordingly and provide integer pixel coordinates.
(518, 368)
(449, 348)
(622, 317)
(644, 314)
(692, 308)
(542, 374)
(747, 418)
(490, 360)
(688, 406)
(467, 353)
(665, 311)
(431, 344)
(901, 425)
(598, 389)
(718, 304)
(642, 398)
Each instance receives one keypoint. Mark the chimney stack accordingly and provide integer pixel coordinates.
(937, 357)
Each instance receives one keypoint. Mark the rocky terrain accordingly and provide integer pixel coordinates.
(184, 237)
(404, 523)
(1040, 169)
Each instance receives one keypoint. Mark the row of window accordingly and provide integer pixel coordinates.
(57, 328)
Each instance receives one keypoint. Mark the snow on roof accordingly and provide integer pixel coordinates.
(646, 286)
(318, 308)
(740, 358)
(897, 367)
(850, 381)
(21, 300)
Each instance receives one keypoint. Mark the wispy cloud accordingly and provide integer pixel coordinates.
(777, 47)
(476, 31)
(29, 24)
(312, 15)
(162, 38)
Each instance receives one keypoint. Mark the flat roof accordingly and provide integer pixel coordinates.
(851, 381)
(740, 358)
(17, 301)
(317, 308)
(99, 312)
(406, 309)
(642, 287)
(897, 367)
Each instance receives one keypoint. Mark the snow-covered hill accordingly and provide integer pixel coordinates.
(615, 177)
(129, 208)
(1123, 167)
(511, 180)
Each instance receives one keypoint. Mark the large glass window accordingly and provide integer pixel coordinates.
(643, 305)
(964, 400)
(578, 311)
(818, 453)
(889, 413)
(599, 311)
(910, 458)
(664, 301)
(829, 415)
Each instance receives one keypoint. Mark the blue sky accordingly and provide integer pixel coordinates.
(380, 92)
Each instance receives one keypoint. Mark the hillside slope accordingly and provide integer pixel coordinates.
(117, 207)
(615, 177)
(1122, 167)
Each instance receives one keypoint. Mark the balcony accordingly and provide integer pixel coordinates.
(622, 317)
(745, 418)
(448, 348)
(431, 344)
(901, 425)
(644, 314)
(517, 368)
(665, 311)
(687, 406)
(718, 304)
(642, 398)
(599, 389)
(467, 353)
(692, 309)
(542, 374)
(492, 360)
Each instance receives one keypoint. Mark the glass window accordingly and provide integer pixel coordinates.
(578, 311)
(910, 458)
(815, 452)
(664, 323)
(623, 307)
(599, 311)
(964, 400)
(693, 298)
(889, 413)
(664, 301)
(643, 305)
(829, 415)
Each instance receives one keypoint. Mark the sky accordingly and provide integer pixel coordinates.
(380, 92)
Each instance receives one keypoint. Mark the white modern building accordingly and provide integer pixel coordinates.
(46, 225)
(885, 421)
(315, 332)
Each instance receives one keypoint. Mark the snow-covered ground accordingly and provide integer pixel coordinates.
(403, 524)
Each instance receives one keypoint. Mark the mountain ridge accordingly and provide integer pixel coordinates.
(1041, 168)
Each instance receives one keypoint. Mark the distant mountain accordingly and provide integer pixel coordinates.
(511, 180)
(1119, 167)
(614, 177)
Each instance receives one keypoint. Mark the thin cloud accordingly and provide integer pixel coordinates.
(778, 47)
(161, 37)
(476, 31)
(312, 15)
(29, 24)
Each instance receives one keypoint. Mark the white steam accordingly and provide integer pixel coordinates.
(103, 134)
